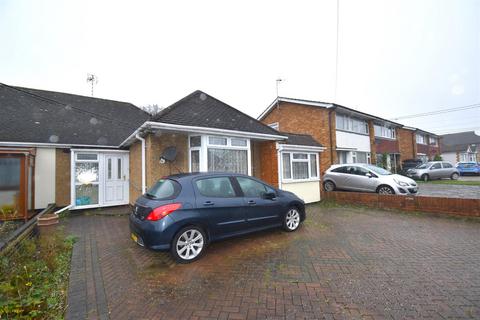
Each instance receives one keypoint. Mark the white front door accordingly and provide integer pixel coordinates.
(116, 179)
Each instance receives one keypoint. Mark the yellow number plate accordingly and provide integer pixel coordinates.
(134, 237)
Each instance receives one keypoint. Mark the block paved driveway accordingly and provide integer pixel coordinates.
(344, 263)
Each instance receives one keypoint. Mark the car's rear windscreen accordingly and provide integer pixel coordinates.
(164, 189)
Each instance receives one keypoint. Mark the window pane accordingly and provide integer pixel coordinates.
(164, 189)
(313, 166)
(300, 170)
(195, 160)
(224, 160)
(195, 141)
(300, 156)
(86, 194)
(119, 169)
(109, 168)
(86, 172)
(287, 170)
(219, 187)
(217, 141)
(9, 187)
(239, 142)
(361, 157)
(87, 156)
(251, 188)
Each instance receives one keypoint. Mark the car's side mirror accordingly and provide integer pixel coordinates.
(368, 174)
(269, 195)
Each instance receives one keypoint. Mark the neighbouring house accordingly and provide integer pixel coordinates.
(461, 147)
(349, 135)
(87, 152)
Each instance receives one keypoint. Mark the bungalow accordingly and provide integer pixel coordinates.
(87, 152)
(461, 147)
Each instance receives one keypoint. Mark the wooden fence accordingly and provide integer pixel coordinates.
(455, 206)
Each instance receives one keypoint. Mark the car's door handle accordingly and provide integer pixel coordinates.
(251, 202)
(208, 203)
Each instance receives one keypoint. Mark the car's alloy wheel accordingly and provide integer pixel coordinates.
(385, 190)
(454, 176)
(292, 219)
(188, 245)
(329, 186)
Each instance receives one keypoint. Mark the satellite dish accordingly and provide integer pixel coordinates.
(169, 154)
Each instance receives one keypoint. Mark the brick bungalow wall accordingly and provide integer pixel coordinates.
(310, 120)
(155, 144)
(269, 159)
(135, 166)
(256, 159)
(62, 177)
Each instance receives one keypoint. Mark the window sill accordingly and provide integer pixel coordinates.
(386, 138)
(353, 132)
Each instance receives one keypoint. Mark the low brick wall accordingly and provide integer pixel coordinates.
(456, 206)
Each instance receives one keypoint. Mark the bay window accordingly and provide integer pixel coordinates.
(299, 166)
(221, 154)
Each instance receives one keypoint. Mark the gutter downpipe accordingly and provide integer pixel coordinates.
(330, 134)
(144, 175)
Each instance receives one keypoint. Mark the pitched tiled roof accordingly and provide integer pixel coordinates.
(459, 141)
(202, 110)
(300, 139)
(39, 116)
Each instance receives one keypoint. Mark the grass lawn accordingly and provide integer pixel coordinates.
(455, 182)
(34, 278)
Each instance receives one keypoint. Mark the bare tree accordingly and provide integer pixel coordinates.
(152, 109)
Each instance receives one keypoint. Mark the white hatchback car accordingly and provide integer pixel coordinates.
(367, 178)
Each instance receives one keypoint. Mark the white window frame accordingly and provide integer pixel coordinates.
(205, 144)
(102, 175)
(421, 138)
(349, 123)
(309, 154)
(387, 132)
(434, 140)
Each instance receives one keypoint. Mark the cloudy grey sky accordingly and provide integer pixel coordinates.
(395, 57)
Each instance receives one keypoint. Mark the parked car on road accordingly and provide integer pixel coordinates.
(409, 164)
(367, 177)
(434, 170)
(465, 168)
(183, 213)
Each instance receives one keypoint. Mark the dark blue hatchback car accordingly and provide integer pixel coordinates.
(183, 213)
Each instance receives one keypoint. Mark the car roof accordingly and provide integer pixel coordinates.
(192, 175)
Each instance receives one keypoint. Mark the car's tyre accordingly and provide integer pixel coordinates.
(329, 186)
(454, 176)
(291, 221)
(425, 177)
(384, 189)
(189, 244)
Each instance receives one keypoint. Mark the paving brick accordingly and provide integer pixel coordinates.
(342, 263)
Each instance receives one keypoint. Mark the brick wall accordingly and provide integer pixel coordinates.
(256, 159)
(456, 206)
(373, 143)
(269, 160)
(310, 120)
(156, 143)
(406, 143)
(62, 177)
(135, 161)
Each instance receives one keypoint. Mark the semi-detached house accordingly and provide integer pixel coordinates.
(87, 152)
(349, 135)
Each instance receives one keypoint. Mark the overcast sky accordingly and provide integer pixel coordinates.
(395, 57)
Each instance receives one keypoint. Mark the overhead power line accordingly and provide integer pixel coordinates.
(431, 113)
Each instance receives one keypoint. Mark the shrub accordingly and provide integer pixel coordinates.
(437, 158)
(34, 278)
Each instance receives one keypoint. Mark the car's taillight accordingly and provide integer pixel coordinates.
(163, 211)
